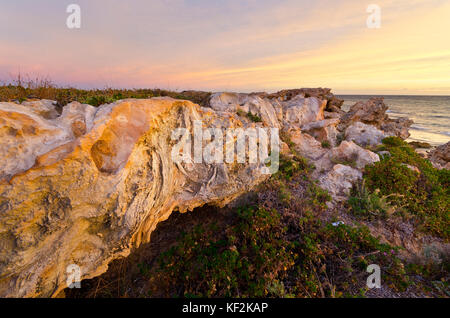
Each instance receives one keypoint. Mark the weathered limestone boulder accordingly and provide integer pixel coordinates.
(339, 181)
(225, 102)
(440, 156)
(296, 111)
(87, 186)
(306, 145)
(26, 136)
(353, 154)
(347, 153)
(397, 127)
(364, 135)
(44, 108)
(300, 111)
(373, 112)
(323, 130)
(234, 102)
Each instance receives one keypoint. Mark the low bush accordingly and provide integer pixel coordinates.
(423, 195)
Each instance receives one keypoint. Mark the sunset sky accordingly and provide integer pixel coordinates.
(233, 45)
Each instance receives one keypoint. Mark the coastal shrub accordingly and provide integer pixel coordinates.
(369, 205)
(335, 259)
(244, 261)
(263, 254)
(289, 167)
(422, 195)
(42, 88)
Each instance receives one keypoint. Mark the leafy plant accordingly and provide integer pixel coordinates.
(424, 196)
(369, 205)
(326, 144)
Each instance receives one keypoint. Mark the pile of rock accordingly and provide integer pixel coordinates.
(335, 141)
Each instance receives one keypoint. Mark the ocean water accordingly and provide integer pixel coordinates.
(431, 114)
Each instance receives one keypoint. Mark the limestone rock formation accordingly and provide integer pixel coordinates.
(245, 103)
(334, 104)
(84, 185)
(353, 154)
(339, 180)
(341, 166)
(300, 111)
(306, 145)
(323, 130)
(440, 156)
(373, 112)
(364, 135)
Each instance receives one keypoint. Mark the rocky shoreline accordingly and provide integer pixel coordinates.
(85, 185)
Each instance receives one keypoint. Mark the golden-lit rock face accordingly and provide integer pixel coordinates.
(85, 187)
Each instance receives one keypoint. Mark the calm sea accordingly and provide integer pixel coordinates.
(431, 114)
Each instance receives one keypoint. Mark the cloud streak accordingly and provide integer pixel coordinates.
(233, 45)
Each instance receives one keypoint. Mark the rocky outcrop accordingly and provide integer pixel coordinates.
(246, 103)
(373, 112)
(84, 185)
(353, 155)
(323, 130)
(440, 156)
(337, 169)
(364, 135)
(333, 104)
(339, 181)
(300, 111)
(306, 145)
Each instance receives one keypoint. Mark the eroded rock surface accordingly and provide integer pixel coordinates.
(440, 156)
(373, 112)
(84, 185)
(364, 135)
(339, 180)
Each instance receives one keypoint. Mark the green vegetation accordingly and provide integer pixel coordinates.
(289, 167)
(28, 89)
(422, 196)
(243, 261)
(326, 144)
(254, 118)
(255, 258)
(249, 115)
(369, 205)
